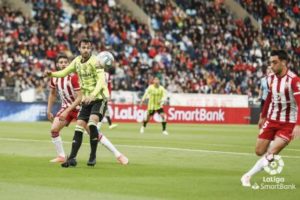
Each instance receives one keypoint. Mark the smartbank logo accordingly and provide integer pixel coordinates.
(274, 182)
(173, 114)
(197, 115)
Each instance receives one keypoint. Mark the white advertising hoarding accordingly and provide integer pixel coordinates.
(209, 100)
(181, 99)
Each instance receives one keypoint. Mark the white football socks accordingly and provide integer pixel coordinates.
(259, 165)
(59, 146)
(109, 146)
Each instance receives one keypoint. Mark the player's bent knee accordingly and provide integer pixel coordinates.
(96, 117)
(92, 123)
(81, 123)
(260, 151)
(79, 128)
(55, 129)
(54, 134)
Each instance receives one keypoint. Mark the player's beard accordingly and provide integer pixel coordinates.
(278, 73)
(86, 56)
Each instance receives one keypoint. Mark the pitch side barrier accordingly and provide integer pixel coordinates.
(182, 114)
(19, 111)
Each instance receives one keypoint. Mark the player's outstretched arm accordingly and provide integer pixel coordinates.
(51, 100)
(62, 73)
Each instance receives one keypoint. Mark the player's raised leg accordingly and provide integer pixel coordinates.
(277, 145)
(260, 150)
(122, 159)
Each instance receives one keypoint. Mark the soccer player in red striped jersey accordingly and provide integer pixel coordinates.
(108, 80)
(68, 89)
(280, 118)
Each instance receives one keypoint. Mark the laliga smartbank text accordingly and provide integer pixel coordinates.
(196, 115)
(173, 114)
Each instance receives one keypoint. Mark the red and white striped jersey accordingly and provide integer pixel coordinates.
(283, 106)
(66, 88)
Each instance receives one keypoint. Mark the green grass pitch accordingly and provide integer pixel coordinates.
(193, 162)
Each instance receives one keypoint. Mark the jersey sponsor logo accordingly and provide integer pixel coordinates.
(86, 71)
(86, 74)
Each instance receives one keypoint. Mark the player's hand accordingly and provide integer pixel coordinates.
(296, 132)
(47, 73)
(63, 115)
(261, 122)
(50, 116)
(88, 99)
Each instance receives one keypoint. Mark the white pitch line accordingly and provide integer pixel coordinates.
(154, 147)
(199, 150)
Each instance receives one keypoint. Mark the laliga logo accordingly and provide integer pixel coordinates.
(276, 166)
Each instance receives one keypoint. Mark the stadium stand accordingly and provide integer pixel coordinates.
(199, 46)
(277, 28)
(292, 7)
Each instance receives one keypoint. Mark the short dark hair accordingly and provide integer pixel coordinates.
(60, 56)
(84, 40)
(282, 55)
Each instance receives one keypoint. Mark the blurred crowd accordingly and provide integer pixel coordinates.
(216, 52)
(28, 47)
(279, 29)
(198, 47)
(292, 7)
